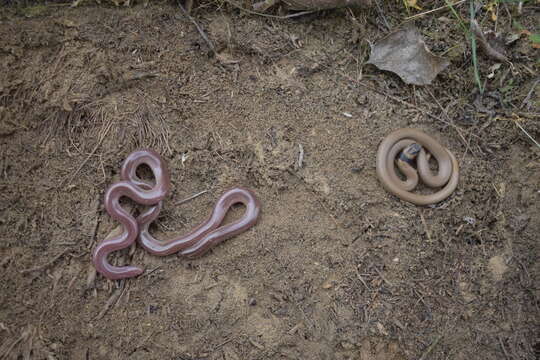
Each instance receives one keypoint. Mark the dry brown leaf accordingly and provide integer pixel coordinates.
(404, 53)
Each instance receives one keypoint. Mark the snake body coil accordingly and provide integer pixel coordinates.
(141, 193)
(407, 140)
(198, 241)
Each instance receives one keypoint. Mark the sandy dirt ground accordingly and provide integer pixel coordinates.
(336, 268)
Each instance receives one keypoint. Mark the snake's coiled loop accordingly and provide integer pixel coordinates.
(140, 192)
(404, 142)
(197, 242)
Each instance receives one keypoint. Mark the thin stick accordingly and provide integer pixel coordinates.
(381, 13)
(433, 10)
(10, 348)
(428, 232)
(503, 348)
(191, 197)
(533, 88)
(410, 105)
(382, 277)
(112, 300)
(526, 133)
(46, 265)
(199, 29)
(449, 120)
(268, 15)
(89, 156)
(300, 156)
(430, 348)
(362, 280)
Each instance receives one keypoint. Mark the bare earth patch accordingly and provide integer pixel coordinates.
(336, 268)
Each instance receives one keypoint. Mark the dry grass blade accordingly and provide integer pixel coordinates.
(100, 141)
(430, 348)
(112, 301)
(527, 134)
(300, 161)
(268, 15)
(434, 10)
(191, 197)
(25, 339)
(199, 29)
(46, 265)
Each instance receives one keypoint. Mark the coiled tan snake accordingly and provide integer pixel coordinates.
(413, 145)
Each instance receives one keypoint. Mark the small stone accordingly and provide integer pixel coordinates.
(498, 267)
(252, 302)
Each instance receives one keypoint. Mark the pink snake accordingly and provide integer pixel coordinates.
(197, 242)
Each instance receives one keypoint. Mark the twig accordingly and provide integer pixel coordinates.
(46, 265)
(503, 348)
(428, 232)
(89, 155)
(91, 277)
(141, 76)
(199, 29)
(310, 188)
(223, 343)
(381, 14)
(10, 348)
(268, 15)
(526, 133)
(112, 300)
(430, 348)
(484, 44)
(529, 94)
(433, 10)
(191, 197)
(449, 120)
(362, 280)
(382, 277)
(147, 273)
(300, 156)
(410, 105)
(95, 224)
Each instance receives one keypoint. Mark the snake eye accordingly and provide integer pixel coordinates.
(413, 149)
(410, 152)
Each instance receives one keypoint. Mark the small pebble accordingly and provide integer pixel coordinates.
(252, 302)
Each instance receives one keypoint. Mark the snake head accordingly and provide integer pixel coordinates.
(410, 152)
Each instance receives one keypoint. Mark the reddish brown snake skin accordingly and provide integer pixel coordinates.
(205, 236)
(409, 139)
(208, 233)
(139, 192)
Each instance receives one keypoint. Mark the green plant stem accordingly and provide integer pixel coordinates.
(474, 56)
(460, 20)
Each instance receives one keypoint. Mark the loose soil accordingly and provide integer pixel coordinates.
(336, 268)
